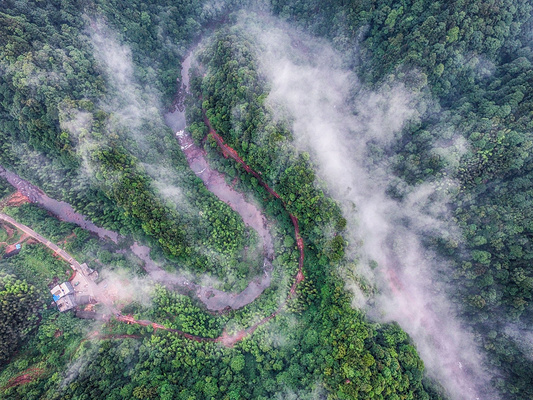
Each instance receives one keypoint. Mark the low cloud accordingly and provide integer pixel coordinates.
(523, 338)
(131, 105)
(121, 287)
(349, 131)
(317, 393)
(90, 350)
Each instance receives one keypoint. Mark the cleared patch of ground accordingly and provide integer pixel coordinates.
(27, 376)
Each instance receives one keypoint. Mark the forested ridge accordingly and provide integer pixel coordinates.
(63, 128)
(475, 57)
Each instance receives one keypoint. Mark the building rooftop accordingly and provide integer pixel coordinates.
(61, 290)
(66, 303)
(63, 295)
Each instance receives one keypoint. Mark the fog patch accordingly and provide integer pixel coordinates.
(165, 184)
(384, 113)
(121, 287)
(480, 65)
(349, 131)
(30, 76)
(135, 115)
(317, 393)
(131, 106)
(274, 334)
(74, 121)
(79, 125)
(451, 151)
(523, 338)
(49, 174)
(86, 355)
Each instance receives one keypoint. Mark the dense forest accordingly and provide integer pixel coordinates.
(476, 58)
(84, 87)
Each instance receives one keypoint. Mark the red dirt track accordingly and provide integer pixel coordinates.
(227, 151)
(26, 377)
(226, 339)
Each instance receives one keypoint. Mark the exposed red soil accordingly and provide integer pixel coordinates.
(227, 151)
(10, 232)
(27, 376)
(17, 199)
(72, 275)
(12, 247)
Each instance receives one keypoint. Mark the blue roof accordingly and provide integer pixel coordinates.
(18, 246)
(56, 298)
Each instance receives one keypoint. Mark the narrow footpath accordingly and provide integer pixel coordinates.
(227, 151)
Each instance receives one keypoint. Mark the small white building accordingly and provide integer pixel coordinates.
(63, 295)
(61, 290)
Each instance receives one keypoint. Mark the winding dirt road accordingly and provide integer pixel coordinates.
(215, 183)
(225, 338)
